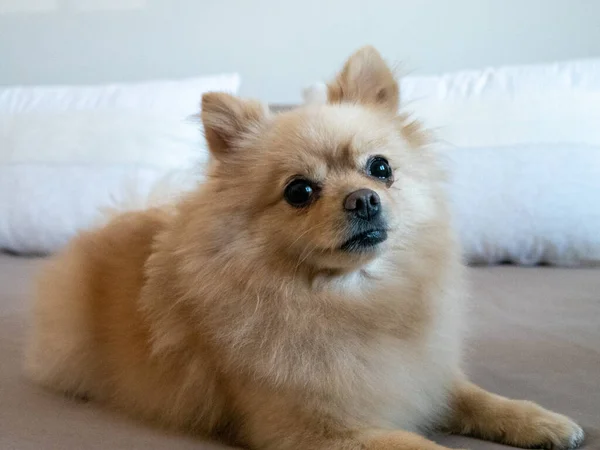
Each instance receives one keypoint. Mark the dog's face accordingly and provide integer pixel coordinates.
(331, 186)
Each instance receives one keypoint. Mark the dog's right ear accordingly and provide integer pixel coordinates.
(228, 120)
(365, 79)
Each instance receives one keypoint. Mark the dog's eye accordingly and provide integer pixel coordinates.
(378, 167)
(299, 192)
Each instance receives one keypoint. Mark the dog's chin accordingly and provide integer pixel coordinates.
(355, 252)
(365, 242)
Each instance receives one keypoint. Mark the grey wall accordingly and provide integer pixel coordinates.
(280, 46)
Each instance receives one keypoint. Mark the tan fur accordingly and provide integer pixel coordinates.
(234, 315)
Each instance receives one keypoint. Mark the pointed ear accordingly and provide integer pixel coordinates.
(228, 120)
(365, 79)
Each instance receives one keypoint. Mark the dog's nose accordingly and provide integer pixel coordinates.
(363, 203)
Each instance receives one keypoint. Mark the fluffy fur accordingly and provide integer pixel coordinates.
(239, 317)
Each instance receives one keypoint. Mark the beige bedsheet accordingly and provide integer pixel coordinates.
(535, 333)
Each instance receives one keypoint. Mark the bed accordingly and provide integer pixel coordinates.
(533, 333)
(525, 177)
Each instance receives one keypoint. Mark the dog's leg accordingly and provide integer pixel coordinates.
(395, 440)
(283, 433)
(481, 414)
(371, 440)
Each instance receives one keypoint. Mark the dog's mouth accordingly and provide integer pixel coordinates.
(365, 241)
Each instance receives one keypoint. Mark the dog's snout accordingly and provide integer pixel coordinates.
(364, 203)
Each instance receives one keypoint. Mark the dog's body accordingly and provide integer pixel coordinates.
(323, 318)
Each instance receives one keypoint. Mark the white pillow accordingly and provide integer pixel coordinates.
(59, 170)
(523, 149)
(68, 152)
(178, 98)
(527, 204)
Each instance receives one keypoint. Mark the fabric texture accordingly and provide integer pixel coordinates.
(533, 334)
(169, 97)
(68, 152)
(60, 170)
(527, 204)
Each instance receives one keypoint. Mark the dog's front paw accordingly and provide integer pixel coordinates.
(556, 432)
(512, 422)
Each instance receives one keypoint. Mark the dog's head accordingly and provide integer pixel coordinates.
(329, 186)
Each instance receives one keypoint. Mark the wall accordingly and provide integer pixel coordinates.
(280, 46)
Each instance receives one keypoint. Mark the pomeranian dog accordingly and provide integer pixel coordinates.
(307, 295)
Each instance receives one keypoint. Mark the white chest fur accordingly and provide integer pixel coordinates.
(407, 380)
(410, 383)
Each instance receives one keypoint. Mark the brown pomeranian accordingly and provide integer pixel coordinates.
(306, 296)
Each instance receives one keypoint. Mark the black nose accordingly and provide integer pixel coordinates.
(363, 203)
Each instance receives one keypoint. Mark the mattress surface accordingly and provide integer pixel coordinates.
(534, 334)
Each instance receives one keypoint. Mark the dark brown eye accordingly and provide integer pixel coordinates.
(299, 193)
(378, 167)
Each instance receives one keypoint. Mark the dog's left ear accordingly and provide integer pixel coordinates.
(228, 120)
(365, 79)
